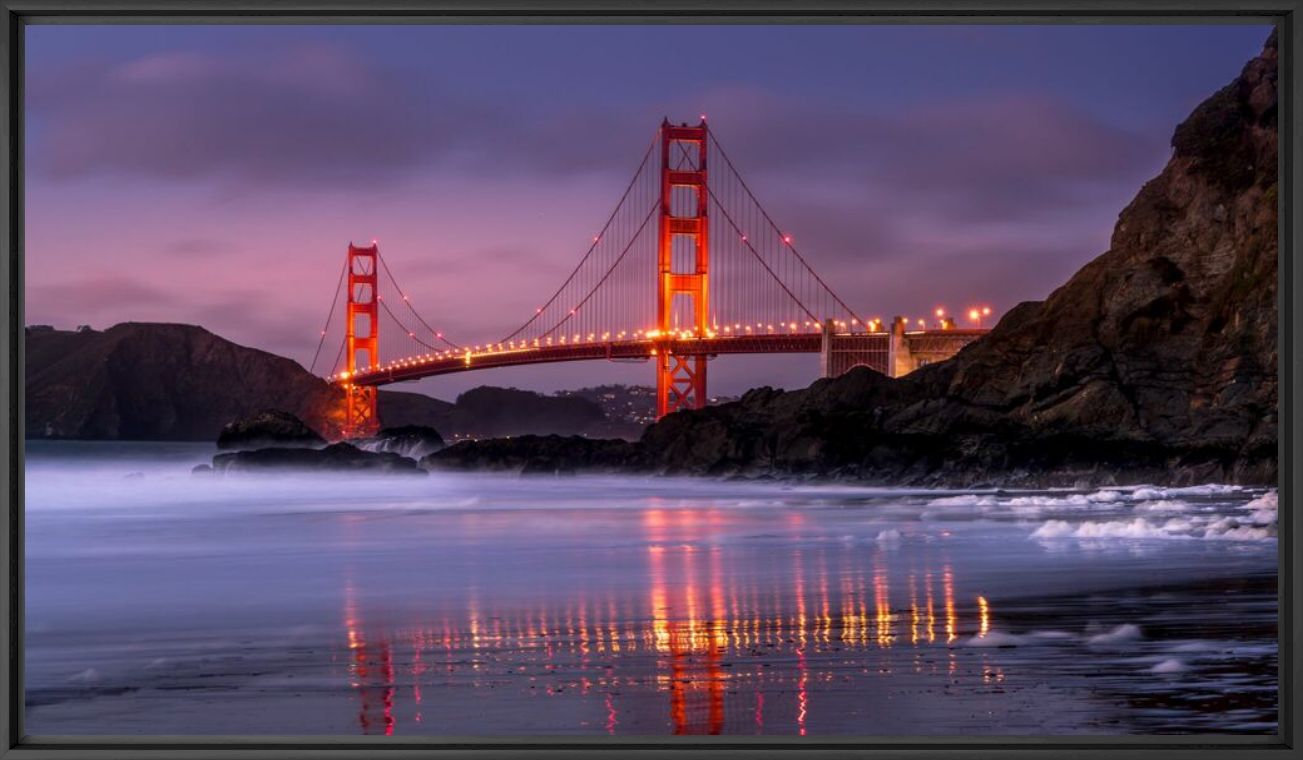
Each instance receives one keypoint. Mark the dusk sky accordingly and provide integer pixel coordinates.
(214, 175)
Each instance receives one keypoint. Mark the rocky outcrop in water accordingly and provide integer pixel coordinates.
(533, 454)
(268, 428)
(336, 458)
(1156, 362)
(412, 441)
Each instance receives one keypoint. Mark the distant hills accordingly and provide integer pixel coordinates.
(176, 382)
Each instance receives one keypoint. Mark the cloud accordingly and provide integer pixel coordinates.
(303, 116)
(318, 113)
(196, 248)
(90, 296)
(312, 113)
(1010, 155)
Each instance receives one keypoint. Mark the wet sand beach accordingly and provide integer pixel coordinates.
(466, 605)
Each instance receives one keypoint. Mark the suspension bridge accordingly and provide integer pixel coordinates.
(688, 267)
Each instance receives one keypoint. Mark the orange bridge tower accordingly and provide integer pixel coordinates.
(362, 338)
(683, 264)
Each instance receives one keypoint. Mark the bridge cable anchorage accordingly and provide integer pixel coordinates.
(436, 333)
(650, 214)
(733, 169)
(596, 240)
(330, 316)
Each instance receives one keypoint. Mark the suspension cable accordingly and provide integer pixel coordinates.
(410, 333)
(637, 233)
(334, 302)
(343, 342)
(751, 248)
(437, 334)
(723, 154)
(596, 240)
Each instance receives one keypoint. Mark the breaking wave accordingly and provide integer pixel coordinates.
(1154, 513)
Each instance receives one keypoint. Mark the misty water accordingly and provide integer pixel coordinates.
(470, 604)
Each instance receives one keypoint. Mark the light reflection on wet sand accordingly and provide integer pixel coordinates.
(725, 654)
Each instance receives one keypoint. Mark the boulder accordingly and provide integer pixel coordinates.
(338, 457)
(414, 441)
(535, 454)
(268, 428)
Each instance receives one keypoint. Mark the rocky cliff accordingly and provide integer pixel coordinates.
(1155, 362)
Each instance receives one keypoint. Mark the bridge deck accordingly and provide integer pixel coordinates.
(448, 362)
(414, 368)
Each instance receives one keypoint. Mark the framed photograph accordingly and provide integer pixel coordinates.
(843, 378)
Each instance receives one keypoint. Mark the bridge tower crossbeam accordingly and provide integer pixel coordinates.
(681, 380)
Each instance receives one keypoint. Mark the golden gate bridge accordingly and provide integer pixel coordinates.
(689, 266)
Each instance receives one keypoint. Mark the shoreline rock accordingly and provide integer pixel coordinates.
(266, 429)
(335, 458)
(411, 441)
(535, 455)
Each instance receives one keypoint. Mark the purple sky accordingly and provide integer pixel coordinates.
(215, 174)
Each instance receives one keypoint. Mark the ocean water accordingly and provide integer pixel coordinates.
(478, 605)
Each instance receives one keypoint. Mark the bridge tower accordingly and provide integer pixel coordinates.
(681, 379)
(362, 338)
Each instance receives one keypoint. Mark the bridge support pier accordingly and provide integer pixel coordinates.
(680, 382)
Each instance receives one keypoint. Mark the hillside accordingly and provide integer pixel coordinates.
(149, 381)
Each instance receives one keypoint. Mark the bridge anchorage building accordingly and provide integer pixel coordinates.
(894, 353)
(713, 275)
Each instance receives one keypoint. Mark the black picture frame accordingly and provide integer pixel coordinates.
(15, 15)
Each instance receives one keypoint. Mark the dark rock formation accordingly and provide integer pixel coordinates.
(1156, 362)
(532, 454)
(338, 457)
(413, 441)
(150, 381)
(268, 428)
